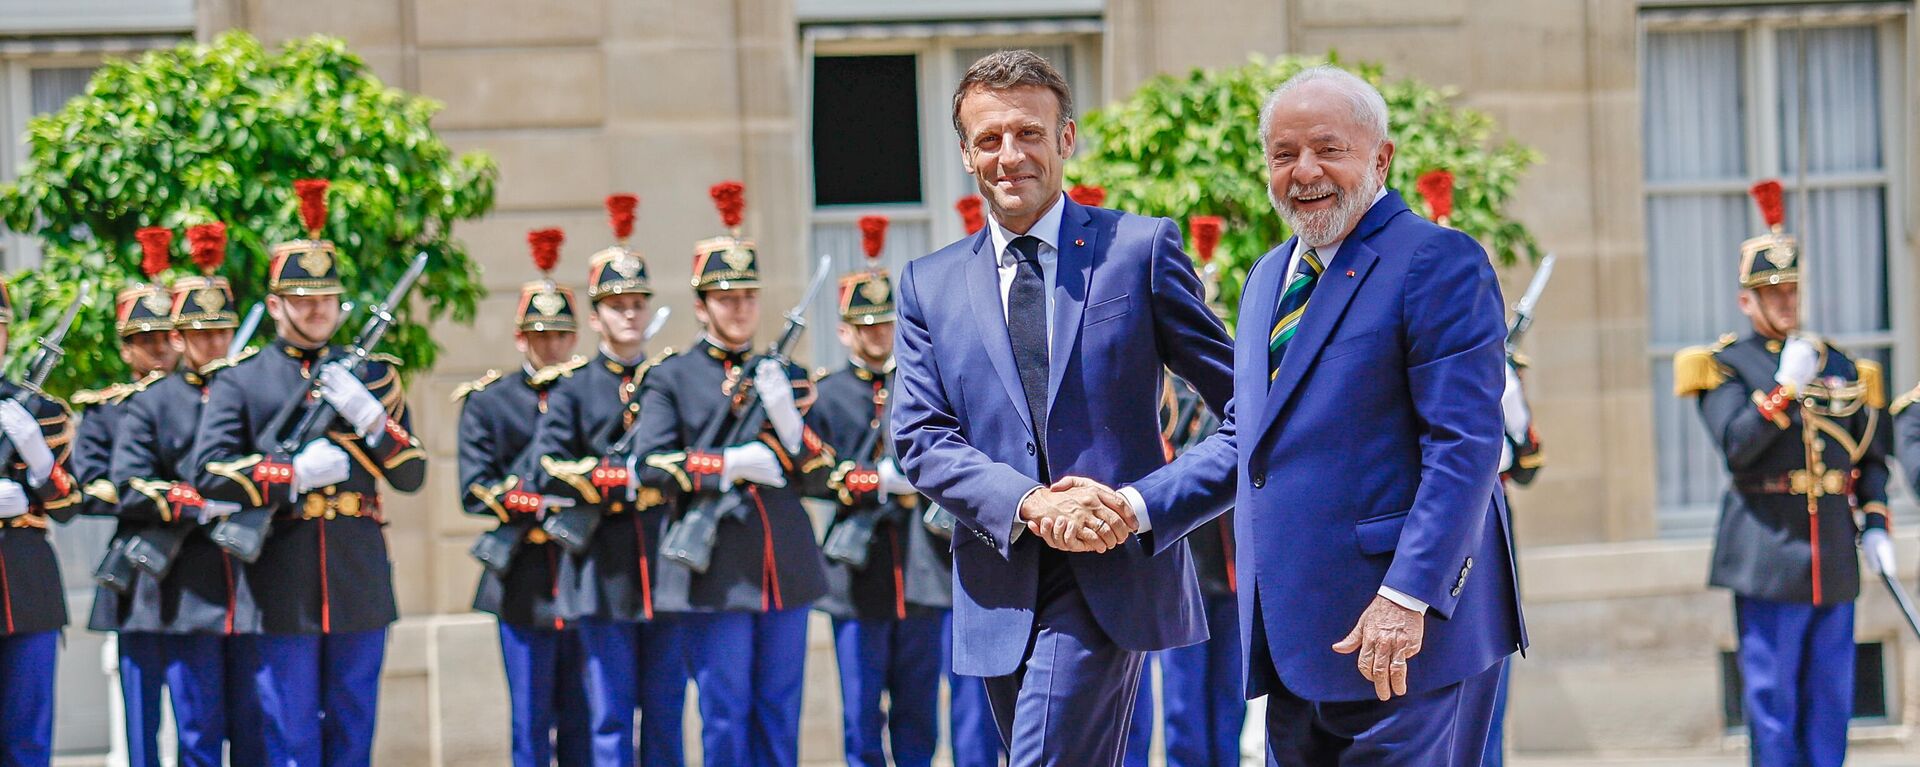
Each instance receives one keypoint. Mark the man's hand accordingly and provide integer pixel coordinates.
(1799, 363)
(1879, 549)
(776, 397)
(351, 399)
(1386, 636)
(1078, 514)
(24, 431)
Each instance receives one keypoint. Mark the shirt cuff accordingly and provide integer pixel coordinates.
(1020, 525)
(1393, 595)
(1139, 505)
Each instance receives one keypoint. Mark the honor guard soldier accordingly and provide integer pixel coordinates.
(142, 323)
(611, 526)
(1203, 709)
(1798, 422)
(186, 594)
(519, 578)
(746, 627)
(37, 486)
(323, 581)
(889, 579)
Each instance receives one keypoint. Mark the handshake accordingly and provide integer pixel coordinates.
(1078, 514)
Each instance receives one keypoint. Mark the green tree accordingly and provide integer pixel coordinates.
(1183, 146)
(219, 132)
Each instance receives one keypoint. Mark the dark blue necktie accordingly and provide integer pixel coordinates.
(1027, 329)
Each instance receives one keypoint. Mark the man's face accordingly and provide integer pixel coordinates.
(1323, 166)
(305, 320)
(871, 344)
(546, 347)
(203, 346)
(621, 319)
(147, 352)
(730, 315)
(1016, 150)
(1773, 309)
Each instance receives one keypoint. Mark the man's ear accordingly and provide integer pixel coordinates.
(1068, 138)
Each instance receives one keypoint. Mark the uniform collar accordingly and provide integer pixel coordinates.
(723, 354)
(299, 353)
(864, 373)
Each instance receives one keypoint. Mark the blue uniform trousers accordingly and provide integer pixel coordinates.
(1203, 706)
(749, 668)
(318, 695)
(899, 659)
(1796, 662)
(211, 701)
(143, 671)
(27, 665)
(547, 695)
(635, 665)
(976, 740)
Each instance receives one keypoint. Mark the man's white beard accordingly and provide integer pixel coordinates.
(1322, 228)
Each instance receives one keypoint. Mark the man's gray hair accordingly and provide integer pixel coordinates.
(1369, 108)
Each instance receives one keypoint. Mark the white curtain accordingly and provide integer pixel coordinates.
(906, 240)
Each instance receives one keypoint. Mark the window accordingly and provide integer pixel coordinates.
(28, 89)
(1722, 108)
(882, 135)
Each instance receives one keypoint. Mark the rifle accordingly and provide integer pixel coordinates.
(153, 549)
(1523, 311)
(689, 539)
(573, 526)
(46, 355)
(244, 533)
(851, 540)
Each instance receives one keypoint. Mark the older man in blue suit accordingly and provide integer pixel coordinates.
(1028, 352)
(1361, 457)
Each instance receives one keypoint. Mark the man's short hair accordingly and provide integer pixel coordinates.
(1005, 70)
(1369, 108)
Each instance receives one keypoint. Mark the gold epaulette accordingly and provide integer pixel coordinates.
(1521, 361)
(556, 371)
(479, 384)
(1901, 402)
(640, 374)
(1696, 369)
(97, 396)
(818, 373)
(1872, 379)
(227, 362)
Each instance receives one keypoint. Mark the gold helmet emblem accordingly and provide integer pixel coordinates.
(210, 299)
(738, 258)
(548, 303)
(316, 262)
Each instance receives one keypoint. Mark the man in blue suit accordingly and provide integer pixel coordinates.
(1032, 351)
(1361, 457)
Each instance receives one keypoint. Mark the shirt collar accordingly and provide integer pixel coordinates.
(1328, 251)
(1047, 230)
(864, 373)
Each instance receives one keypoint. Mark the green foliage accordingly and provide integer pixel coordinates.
(219, 132)
(1190, 145)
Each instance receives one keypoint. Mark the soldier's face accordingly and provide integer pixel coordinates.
(147, 352)
(872, 344)
(1774, 309)
(621, 319)
(730, 315)
(1016, 149)
(546, 347)
(202, 346)
(305, 320)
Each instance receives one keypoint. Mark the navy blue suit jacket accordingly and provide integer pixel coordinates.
(1126, 304)
(1372, 459)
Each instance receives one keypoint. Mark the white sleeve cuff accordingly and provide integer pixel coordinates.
(1020, 525)
(1393, 595)
(1139, 505)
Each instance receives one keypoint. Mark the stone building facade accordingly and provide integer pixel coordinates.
(576, 98)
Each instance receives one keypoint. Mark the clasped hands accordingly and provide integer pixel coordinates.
(1078, 514)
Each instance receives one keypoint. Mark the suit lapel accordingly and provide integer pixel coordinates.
(1257, 300)
(1072, 277)
(983, 294)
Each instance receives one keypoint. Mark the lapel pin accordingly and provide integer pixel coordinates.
(1349, 272)
(1080, 242)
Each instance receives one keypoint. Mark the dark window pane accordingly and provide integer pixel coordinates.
(866, 130)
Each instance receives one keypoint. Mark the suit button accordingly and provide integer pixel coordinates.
(1029, 448)
(1259, 482)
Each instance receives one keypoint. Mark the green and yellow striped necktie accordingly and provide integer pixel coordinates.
(1293, 304)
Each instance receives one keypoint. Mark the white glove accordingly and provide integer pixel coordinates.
(319, 464)
(23, 430)
(1798, 363)
(348, 396)
(13, 499)
(1878, 547)
(211, 510)
(776, 395)
(1513, 407)
(752, 462)
(892, 482)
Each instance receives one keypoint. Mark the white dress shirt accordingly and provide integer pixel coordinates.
(1326, 254)
(1047, 231)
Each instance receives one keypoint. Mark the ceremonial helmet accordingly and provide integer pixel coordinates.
(142, 307)
(727, 262)
(1772, 258)
(306, 267)
(1436, 187)
(618, 269)
(866, 296)
(205, 301)
(543, 304)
